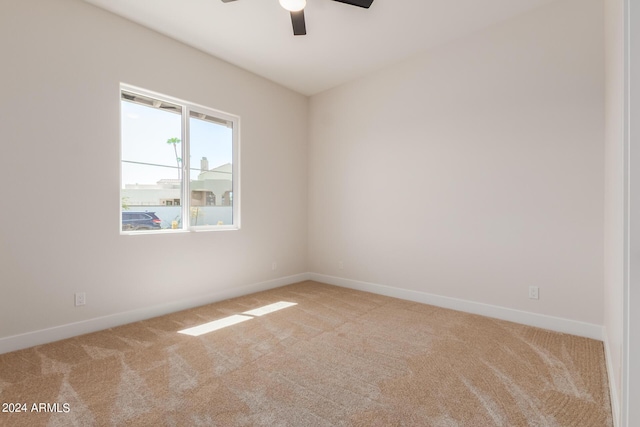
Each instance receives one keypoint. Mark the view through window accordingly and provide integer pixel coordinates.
(179, 164)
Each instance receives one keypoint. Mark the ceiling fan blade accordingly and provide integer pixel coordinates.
(299, 26)
(359, 3)
(227, 1)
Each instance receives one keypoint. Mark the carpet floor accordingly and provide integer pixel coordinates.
(338, 357)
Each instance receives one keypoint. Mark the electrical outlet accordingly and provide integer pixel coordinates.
(81, 298)
(274, 266)
(533, 292)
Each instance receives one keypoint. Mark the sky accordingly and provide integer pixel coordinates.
(145, 131)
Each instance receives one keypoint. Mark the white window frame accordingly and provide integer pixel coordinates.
(185, 193)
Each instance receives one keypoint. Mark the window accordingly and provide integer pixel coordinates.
(179, 165)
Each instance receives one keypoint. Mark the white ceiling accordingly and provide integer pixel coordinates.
(342, 41)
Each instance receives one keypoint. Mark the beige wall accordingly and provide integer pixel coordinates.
(62, 63)
(472, 171)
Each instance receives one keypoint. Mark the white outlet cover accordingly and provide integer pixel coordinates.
(81, 298)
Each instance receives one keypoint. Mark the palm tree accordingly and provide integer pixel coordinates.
(175, 142)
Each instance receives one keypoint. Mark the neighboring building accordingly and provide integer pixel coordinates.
(212, 188)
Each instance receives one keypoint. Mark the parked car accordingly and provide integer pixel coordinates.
(140, 221)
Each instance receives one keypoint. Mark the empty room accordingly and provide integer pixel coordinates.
(319, 213)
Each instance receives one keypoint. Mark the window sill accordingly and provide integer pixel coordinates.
(179, 231)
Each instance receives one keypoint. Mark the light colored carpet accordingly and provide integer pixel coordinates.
(337, 358)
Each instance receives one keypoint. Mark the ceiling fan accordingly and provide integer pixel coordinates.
(296, 8)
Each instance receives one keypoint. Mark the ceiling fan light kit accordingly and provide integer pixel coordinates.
(296, 8)
(293, 5)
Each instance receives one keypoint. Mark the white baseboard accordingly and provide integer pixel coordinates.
(43, 336)
(557, 324)
(56, 333)
(613, 389)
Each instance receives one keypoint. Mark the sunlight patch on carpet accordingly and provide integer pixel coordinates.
(205, 328)
(215, 325)
(270, 308)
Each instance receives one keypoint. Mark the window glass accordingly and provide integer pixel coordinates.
(211, 172)
(162, 140)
